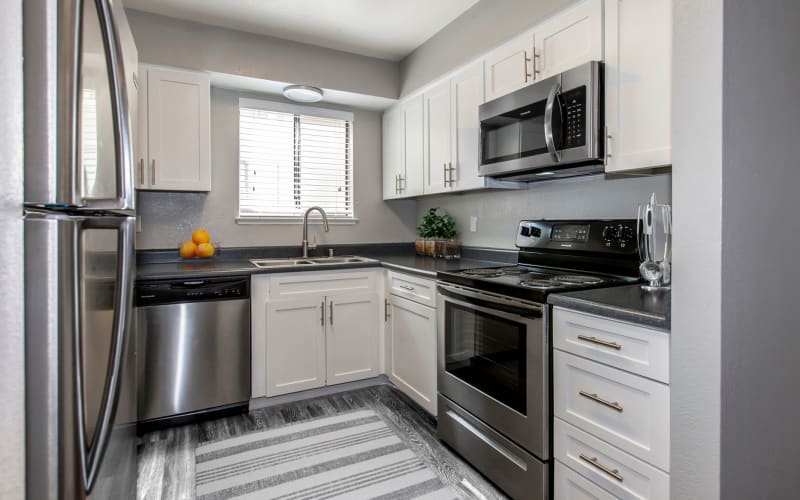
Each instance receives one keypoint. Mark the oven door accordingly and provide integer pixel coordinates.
(494, 361)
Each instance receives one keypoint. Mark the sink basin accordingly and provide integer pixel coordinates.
(280, 262)
(313, 261)
(339, 260)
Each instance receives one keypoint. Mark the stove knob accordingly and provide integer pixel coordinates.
(625, 234)
(610, 234)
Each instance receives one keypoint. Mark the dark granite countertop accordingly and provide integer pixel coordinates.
(164, 265)
(625, 303)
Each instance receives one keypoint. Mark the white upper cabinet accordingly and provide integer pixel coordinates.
(437, 137)
(393, 162)
(174, 134)
(568, 39)
(411, 183)
(510, 66)
(638, 41)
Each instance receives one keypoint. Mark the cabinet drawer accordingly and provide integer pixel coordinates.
(612, 469)
(286, 285)
(629, 347)
(569, 485)
(627, 411)
(419, 290)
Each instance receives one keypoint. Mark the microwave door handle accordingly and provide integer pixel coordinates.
(548, 122)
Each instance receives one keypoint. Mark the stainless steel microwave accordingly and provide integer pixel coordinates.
(552, 128)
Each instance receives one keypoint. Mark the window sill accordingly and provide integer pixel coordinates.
(294, 221)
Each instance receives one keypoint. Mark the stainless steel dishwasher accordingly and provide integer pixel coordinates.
(193, 348)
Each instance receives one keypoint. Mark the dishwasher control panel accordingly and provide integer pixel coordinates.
(151, 293)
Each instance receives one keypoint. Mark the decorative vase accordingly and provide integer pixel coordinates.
(419, 246)
(441, 248)
(452, 249)
(430, 247)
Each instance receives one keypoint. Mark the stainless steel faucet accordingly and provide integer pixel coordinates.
(306, 246)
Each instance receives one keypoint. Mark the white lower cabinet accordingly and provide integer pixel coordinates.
(569, 485)
(611, 429)
(352, 334)
(411, 333)
(295, 334)
(313, 329)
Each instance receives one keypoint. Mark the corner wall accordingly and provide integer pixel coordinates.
(12, 307)
(697, 218)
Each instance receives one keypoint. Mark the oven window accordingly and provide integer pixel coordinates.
(487, 352)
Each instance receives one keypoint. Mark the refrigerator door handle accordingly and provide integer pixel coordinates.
(92, 456)
(122, 124)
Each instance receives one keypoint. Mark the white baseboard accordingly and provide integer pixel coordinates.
(257, 403)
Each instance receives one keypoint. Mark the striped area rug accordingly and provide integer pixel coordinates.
(348, 456)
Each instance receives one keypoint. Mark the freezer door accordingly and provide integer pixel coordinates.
(77, 106)
(81, 393)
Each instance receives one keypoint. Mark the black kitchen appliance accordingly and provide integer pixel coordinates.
(494, 371)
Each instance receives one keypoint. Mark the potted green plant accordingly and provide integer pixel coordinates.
(437, 232)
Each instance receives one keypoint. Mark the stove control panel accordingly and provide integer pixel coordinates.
(614, 236)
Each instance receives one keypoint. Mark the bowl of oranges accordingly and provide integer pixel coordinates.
(200, 246)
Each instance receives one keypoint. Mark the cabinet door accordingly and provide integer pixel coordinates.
(466, 94)
(509, 67)
(638, 40)
(393, 150)
(352, 337)
(413, 154)
(412, 363)
(141, 172)
(437, 140)
(569, 39)
(295, 345)
(178, 120)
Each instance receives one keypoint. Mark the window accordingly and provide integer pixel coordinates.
(292, 158)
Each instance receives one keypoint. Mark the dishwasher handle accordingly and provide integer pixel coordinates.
(159, 292)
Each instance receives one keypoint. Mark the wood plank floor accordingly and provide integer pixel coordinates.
(166, 457)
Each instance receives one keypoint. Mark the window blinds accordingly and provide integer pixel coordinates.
(290, 161)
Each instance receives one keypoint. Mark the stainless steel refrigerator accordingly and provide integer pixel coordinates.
(79, 71)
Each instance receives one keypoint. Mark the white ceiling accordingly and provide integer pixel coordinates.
(387, 29)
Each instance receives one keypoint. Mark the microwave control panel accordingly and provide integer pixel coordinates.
(574, 117)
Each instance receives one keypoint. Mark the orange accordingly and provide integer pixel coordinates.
(188, 249)
(201, 236)
(205, 250)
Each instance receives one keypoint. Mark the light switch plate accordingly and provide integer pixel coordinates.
(473, 223)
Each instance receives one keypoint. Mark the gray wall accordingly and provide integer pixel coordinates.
(760, 235)
(697, 196)
(484, 26)
(12, 389)
(185, 44)
(586, 197)
(169, 218)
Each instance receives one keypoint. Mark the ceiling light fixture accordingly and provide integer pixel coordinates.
(302, 93)
(546, 173)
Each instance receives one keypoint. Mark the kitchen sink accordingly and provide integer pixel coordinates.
(313, 261)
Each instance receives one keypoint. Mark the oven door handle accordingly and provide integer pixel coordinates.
(548, 122)
(491, 300)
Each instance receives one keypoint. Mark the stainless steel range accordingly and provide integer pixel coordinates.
(494, 345)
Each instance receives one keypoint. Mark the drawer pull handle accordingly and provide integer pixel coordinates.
(595, 340)
(611, 472)
(596, 398)
(406, 287)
